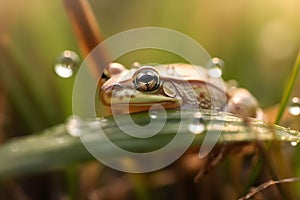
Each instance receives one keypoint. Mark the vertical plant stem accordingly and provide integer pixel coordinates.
(88, 32)
(275, 145)
(288, 90)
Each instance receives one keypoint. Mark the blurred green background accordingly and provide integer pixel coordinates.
(258, 40)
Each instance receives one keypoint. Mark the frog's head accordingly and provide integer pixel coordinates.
(137, 89)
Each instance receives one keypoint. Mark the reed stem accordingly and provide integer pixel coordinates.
(88, 33)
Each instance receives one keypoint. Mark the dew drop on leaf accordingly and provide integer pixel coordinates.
(153, 114)
(215, 67)
(66, 64)
(198, 124)
(294, 143)
(294, 108)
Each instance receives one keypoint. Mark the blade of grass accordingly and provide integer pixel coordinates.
(275, 145)
(30, 85)
(57, 149)
(20, 101)
(288, 89)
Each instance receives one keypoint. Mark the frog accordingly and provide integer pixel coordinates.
(176, 85)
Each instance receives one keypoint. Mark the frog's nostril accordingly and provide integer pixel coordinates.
(117, 86)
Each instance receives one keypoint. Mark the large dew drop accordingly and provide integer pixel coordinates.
(215, 67)
(66, 64)
(198, 124)
(73, 126)
(294, 108)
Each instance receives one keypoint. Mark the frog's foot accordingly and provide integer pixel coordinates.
(241, 102)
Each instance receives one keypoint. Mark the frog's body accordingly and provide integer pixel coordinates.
(172, 86)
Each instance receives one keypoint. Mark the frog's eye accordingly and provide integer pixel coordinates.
(146, 80)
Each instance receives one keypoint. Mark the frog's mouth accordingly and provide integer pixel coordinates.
(138, 99)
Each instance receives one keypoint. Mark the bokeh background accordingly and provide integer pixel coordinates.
(258, 41)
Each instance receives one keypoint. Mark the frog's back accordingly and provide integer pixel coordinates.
(188, 72)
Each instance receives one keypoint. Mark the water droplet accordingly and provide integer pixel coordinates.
(136, 64)
(215, 67)
(198, 124)
(294, 108)
(217, 109)
(153, 114)
(66, 64)
(294, 143)
(232, 84)
(73, 126)
(103, 120)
